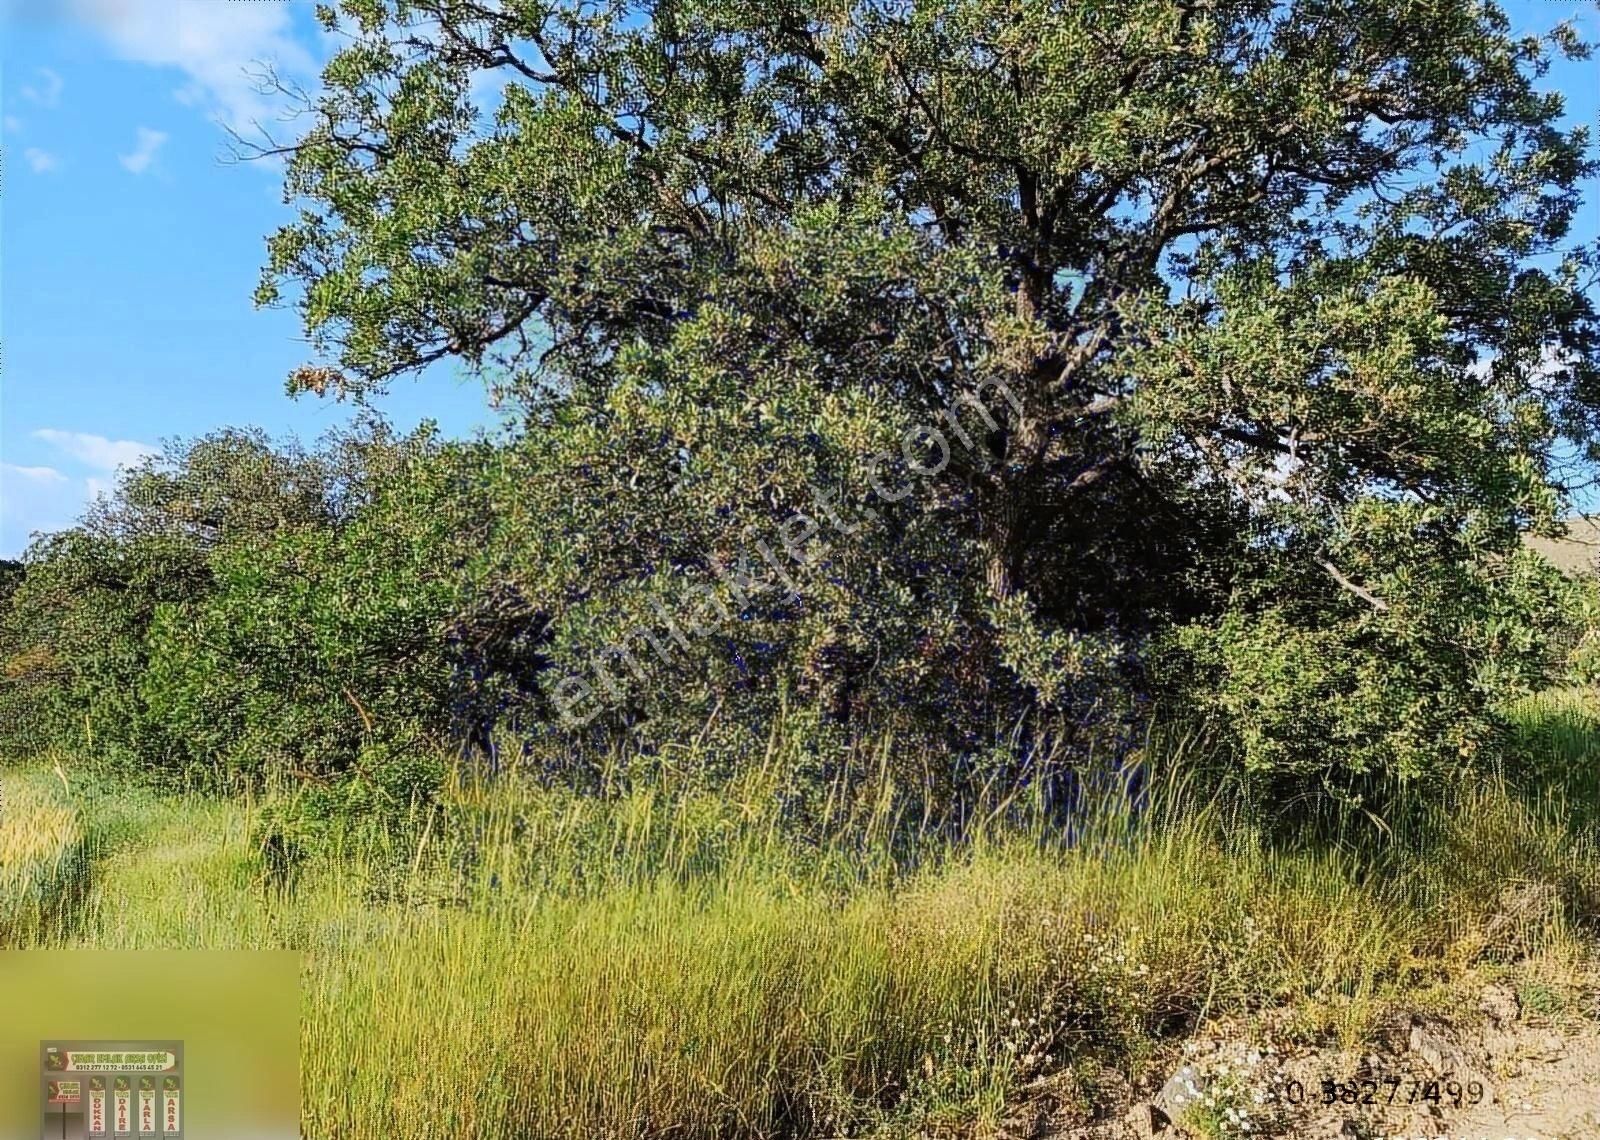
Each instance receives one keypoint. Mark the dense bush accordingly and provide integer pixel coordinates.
(239, 609)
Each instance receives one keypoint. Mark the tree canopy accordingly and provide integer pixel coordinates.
(1228, 346)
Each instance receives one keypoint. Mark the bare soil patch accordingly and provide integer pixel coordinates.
(1495, 1072)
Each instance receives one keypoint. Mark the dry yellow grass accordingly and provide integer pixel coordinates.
(676, 964)
(41, 855)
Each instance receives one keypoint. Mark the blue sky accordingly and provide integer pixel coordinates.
(129, 247)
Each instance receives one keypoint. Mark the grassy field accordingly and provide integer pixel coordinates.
(674, 963)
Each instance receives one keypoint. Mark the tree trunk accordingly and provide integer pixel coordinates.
(1006, 515)
(1005, 524)
(1000, 566)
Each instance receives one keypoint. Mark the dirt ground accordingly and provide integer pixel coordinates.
(1497, 1072)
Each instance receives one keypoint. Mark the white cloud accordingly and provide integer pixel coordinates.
(13, 124)
(149, 142)
(47, 498)
(34, 499)
(40, 161)
(47, 93)
(1541, 375)
(96, 450)
(34, 474)
(219, 47)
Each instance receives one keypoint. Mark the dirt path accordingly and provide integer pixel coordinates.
(1551, 1089)
(1501, 1072)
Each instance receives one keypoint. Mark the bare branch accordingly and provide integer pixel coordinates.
(1361, 592)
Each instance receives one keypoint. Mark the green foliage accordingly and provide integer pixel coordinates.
(1257, 427)
(239, 611)
(11, 573)
(23, 687)
(1039, 361)
(1408, 689)
(379, 804)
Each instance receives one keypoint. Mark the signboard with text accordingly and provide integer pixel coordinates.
(132, 1089)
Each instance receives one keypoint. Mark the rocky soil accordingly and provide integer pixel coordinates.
(1497, 1072)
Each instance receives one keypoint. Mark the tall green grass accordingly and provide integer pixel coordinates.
(42, 856)
(668, 958)
(1558, 739)
(731, 982)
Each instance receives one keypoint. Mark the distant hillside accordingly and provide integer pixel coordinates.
(1577, 553)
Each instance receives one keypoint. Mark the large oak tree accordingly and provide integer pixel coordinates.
(1282, 297)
